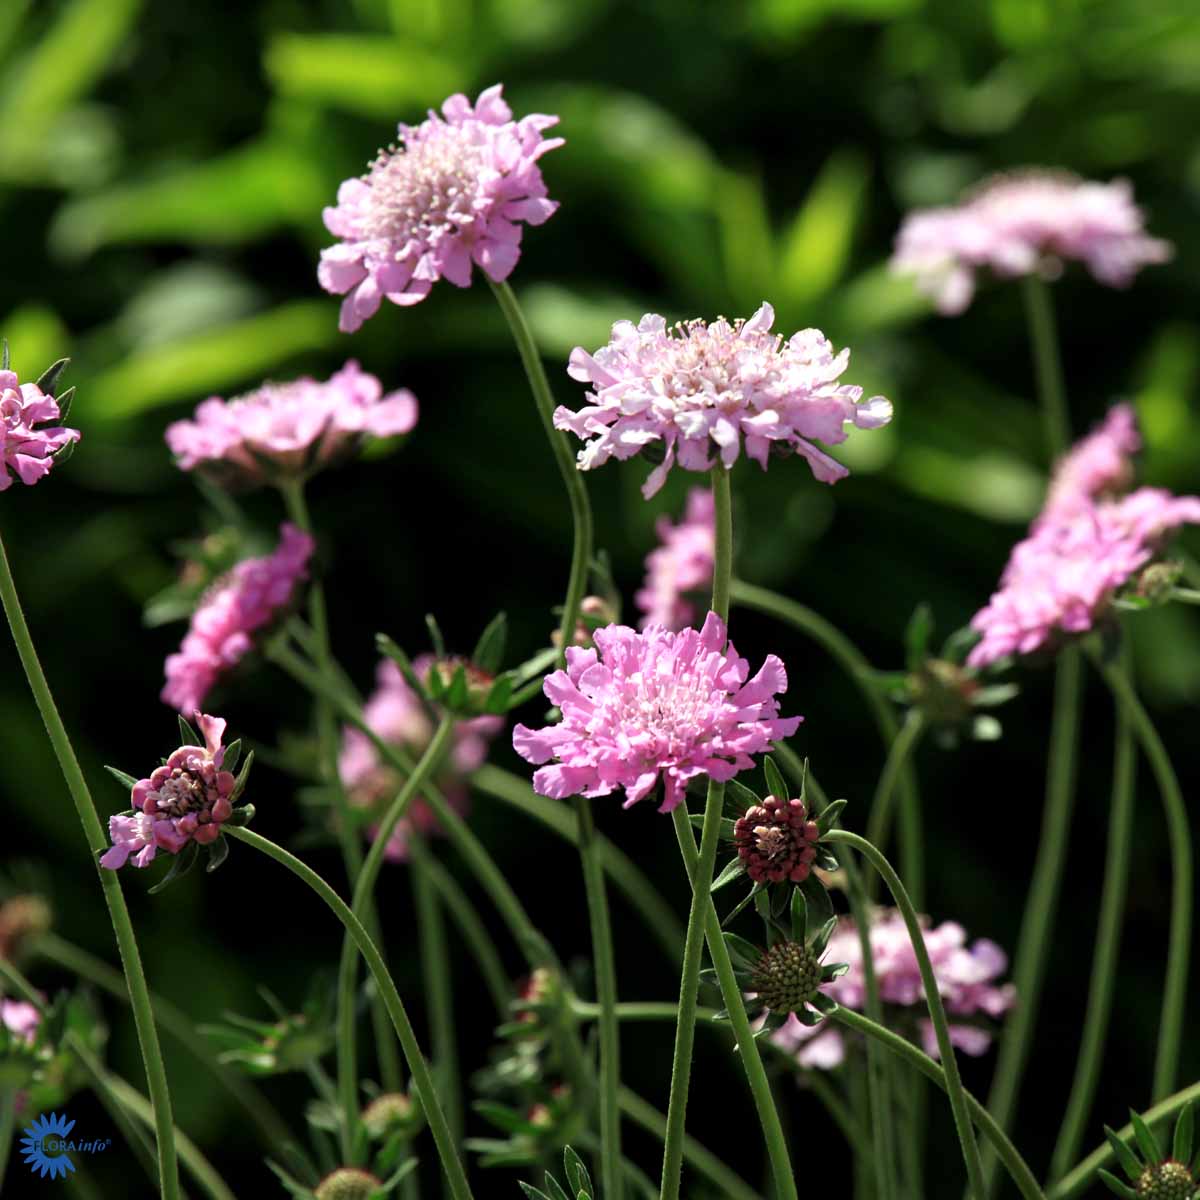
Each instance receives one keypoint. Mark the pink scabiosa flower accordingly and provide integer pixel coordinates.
(966, 976)
(694, 391)
(183, 803)
(682, 563)
(454, 193)
(1085, 546)
(285, 431)
(640, 708)
(30, 434)
(221, 633)
(20, 1018)
(1024, 222)
(397, 715)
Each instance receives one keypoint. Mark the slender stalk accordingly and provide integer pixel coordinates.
(131, 962)
(729, 1182)
(439, 985)
(581, 510)
(611, 1176)
(658, 916)
(880, 823)
(933, 998)
(1104, 958)
(364, 886)
(848, 656)
(271, 1126)
(1039, 312)
(1037, 924)
(1084, 1174)
(1170, 1029)
(422, 1081)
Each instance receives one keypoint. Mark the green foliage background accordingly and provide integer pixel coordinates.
(162, 172)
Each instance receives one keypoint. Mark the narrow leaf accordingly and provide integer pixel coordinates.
(1147, 1142)
(827, 820)
(499, 699)
(385, 645)
(48, 380)
(738, 798)
(1129, 1161)
(120, 776)
(489, 650)
(916, 636)
(181, 864)
(218, 852)
(734, 869)
(233, 755)
(188, 736)
(64, 406)
(577, 1173)
(775, 782)
(435, 635)
(799, 915)
(1184, 1131)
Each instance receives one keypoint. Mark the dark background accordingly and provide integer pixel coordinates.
(163, 168)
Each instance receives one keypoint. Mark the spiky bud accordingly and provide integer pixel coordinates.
(1168, 1180)
(786, 977)
(776, 841)
(347, 1183)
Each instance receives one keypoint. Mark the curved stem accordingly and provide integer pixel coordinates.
(422, 1081)
(1037, 924)
(1104, 959)
(1073, 1184)
(439, 985)
(1170, 1029)
(880, 823)
(1039, 312)
(658, 916)
(72, 958)
(131, 961)
(933, 998)
(611, 1175)
(581, 510)
(364, 886)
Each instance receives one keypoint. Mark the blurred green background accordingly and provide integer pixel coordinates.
(162, 172)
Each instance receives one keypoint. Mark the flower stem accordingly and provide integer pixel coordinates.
(1039, 312)
(1104, 959)
(1170, 1029)
(364, 887)
(880, 823)
(1037, 924)
(581, 509)
(612, 1178)
(937, 1011)
(439, 985)
(422, 1081)
(131, 962)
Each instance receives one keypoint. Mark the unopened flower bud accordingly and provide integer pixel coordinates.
(347, 1183)
(1157, 581)
(776, 841)
(787, 977)
(393, 1112)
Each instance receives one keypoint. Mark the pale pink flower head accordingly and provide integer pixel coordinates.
(695, 392)
(638, 708)
(455, 192)
(1097, 466)
(20, 1018)
(682, 563)
(967, 978)
(247, 600)
(30, 435)
(185, 800)
(396, 715)
(1022, 223)
(285, 431)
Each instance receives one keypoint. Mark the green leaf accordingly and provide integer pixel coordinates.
(532, 1192)
(121, 777)
(456, 694)
(503, 1117)
(740, 797)
(799, 915)
(243, 775)
(64, 406)
(577, 1174)
(385, 645)
(829, 817)
(1115, 1185)
(1147, 1142)
(48, 380)
(1129, 1161)
(776, 785)
(4, 359)
(187, 735)
(1184, 1132)
(218, 852)
(916, 636)
(825, 1005)
(181, 864)
(489, 650)
(821, 941)
(741, 904)
(733, 869)
(555, 1189)
(233, 754)
(435, 635)
(741, 951)
(820, 906)
(499, 698)
(291, 1186)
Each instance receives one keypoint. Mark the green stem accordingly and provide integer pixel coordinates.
(657, 915)
(1170, 1029)
(1037, 924)
(933, 998)
(581, 510)
(880, 823)
(1039, 311)
(364, 887)
(606, 992)
(271, 1126)
(439, 984)
(848, 656)
(728, 1182)
(1073, 1184)
(1104, 958)
(131, 962)
(422, 1081)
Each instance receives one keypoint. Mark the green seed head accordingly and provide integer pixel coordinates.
(786, 977)
(347, 1183)
(387, 1113)
(1166, 1181)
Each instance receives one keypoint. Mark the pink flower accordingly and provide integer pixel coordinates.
(699, 389)
(185, 800)
(285, 430)
(682, 563)
(20, 1018)
(1085, 545)
(1021, 223)
(966, 977)
(397, 716)
(29, 436)
(643, 706)
(246, 600)
(454, 194)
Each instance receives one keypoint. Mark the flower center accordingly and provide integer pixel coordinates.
(179, 794)
(776, 841)
(1166, 1181)
(786, 977)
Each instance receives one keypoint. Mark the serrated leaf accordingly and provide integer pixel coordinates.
(1147, 1142)
(181, 864)
(218, 852)
(122, 778)
(828, 818)
(1184, 1132)
(775, 782)
(489, 650)
(188, 736)
(916, 636)
(1130, 1163)
(734, 869)
(48, 380)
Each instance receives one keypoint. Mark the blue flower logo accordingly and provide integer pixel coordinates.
(41, 1143)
